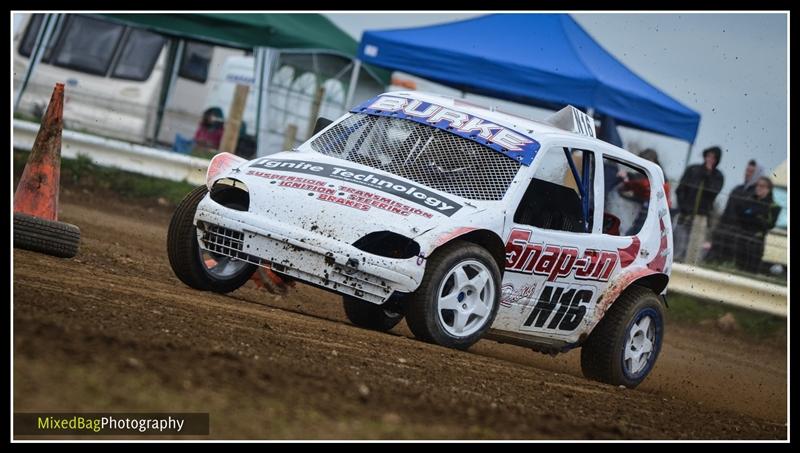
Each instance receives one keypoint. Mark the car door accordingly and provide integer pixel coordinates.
(555, 267)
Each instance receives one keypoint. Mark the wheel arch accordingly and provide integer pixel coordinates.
(487, 239)
(657, 281)
(644, 277)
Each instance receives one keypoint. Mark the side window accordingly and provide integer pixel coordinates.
(88, 44)
(196, 58)
(139, 55)
(626, 198)
(555, 198)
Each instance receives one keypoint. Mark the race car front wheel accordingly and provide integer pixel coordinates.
(624, 346)
(194, 266)
(458, 297)
(370, 316)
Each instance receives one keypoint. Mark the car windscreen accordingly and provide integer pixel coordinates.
(424, 154)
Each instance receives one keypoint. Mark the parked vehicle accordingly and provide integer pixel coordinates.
(776, 244)
(115, 79)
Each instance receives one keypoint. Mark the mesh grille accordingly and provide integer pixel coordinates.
(225, 242)
(421, 153)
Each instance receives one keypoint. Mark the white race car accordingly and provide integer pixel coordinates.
(468, 222)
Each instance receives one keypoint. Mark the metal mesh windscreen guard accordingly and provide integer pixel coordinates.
(421, 153)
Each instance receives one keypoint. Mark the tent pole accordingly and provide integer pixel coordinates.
(266, 60)
(688, 156)
(351, 90)
(258, 70)
(39, 46)
(174, 57)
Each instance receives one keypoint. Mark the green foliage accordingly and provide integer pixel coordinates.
(688, 310)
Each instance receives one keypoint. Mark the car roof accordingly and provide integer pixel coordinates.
(509, 120)
(532, 128)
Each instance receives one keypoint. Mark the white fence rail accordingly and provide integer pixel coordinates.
(729, 289)
(690, 280)
(116, 153)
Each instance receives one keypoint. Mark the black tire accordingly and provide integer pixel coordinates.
(422, 308)
(184, 251)
(46, 236)
(602, 353)
(370, 316)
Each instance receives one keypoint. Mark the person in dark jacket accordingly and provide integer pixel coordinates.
(696, 192)
(756, 215)
(727, 231)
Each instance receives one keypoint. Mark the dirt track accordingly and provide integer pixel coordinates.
(113, 329)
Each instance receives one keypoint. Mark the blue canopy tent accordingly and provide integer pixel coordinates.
(545, 60)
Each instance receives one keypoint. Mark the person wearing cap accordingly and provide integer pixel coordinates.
(696, 192)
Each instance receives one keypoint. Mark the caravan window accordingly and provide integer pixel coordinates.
(88, 45)
(32, 29)
(139, 55)
(196, 58)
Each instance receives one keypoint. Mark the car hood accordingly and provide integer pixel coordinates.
(342, 199)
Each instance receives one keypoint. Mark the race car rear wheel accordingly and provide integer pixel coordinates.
(458, 298)
(624, 346)
(194, 266)
(370, 316)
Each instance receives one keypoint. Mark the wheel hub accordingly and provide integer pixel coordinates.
(466, 296)
(221, 266)
(639, 347)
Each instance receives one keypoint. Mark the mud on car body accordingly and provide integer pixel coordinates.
(470, 223)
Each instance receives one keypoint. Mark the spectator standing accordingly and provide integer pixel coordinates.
(756, 215)
(727, 232)
(696, 192)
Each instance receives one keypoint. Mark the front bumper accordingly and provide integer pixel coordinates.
(305, 255)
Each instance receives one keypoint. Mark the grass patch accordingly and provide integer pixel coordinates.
(27, 117)
(82, 173)
(689, 310)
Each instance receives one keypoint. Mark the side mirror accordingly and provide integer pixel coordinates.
(321, 124)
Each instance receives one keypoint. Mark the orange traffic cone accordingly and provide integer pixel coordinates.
(263, 278)
(37, 192)
(270, 281)
(36, 225)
